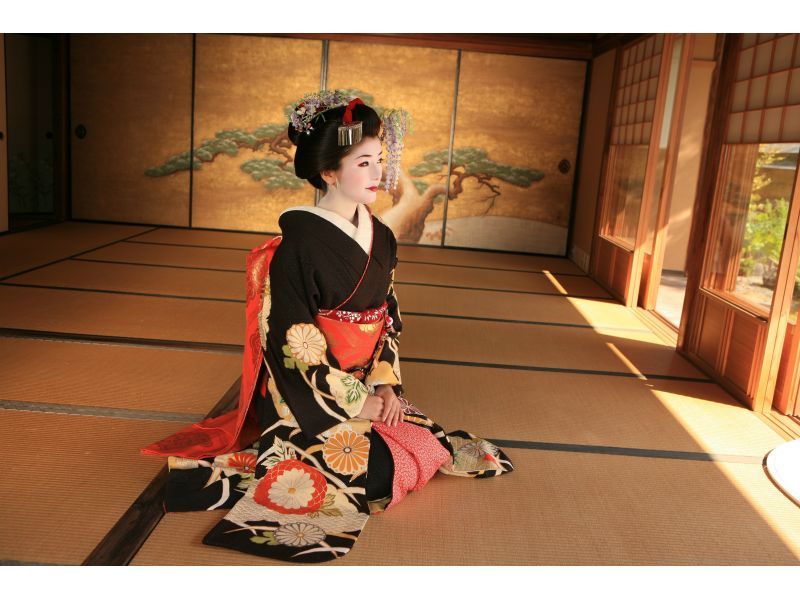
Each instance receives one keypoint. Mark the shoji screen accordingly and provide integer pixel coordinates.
(638, 77)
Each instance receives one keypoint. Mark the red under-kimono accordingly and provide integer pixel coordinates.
(292, 462)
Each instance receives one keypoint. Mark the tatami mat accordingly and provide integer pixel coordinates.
(209, 238)
(234, 259)
(121, 315)
(424, 337)
(209, 283)
(122, 377)
(174, 255)
(487, 259)
(656, 504)
(513, 306)
(554, 509)
(661, 415)
(20, 251)
(138, 279)
(455, 301)
(405, 252)
(541, 346)
(67, 480)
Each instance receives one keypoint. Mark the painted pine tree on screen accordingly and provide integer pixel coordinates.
(414, 198)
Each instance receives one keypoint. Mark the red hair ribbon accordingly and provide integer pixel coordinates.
(348, 113)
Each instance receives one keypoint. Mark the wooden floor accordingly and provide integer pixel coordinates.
(114, 336)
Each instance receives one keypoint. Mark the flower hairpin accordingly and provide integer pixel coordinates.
(312, 105)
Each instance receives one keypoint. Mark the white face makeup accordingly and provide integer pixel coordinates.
(361, 169)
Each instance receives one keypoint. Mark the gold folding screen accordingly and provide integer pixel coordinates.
(191, 131)
(515, 145)
(131, 101)
(244, 175)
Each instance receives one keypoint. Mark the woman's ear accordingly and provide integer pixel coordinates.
(327, 176)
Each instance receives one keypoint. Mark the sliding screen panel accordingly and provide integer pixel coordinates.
(516, 140)
(421, 80)
(244, 170)
(131, 110)
(634, 111)
(748, 274)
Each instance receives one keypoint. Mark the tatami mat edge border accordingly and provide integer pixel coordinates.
(540, 368)
(150, 343)
(92, 410)
(627, 451)
(12, 563)
(131, 531)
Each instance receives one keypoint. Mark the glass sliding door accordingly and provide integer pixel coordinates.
(743, 319)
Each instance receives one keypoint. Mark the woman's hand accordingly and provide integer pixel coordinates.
(392, 413)
(372, 409)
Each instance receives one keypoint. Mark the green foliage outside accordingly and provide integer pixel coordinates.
(765, 225)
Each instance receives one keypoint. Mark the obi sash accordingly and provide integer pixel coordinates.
(354, 338)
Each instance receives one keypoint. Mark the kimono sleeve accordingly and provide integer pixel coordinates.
(386, 367)
(306, 374)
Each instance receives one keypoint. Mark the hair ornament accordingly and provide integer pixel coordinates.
(312, 105)
(396, 124)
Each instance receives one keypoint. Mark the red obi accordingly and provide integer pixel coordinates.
(354, 337)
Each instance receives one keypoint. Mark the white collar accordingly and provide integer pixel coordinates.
(362, 233)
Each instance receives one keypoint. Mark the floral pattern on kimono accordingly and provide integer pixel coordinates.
(299, 493)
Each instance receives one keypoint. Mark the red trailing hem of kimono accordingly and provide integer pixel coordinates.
(353, 338)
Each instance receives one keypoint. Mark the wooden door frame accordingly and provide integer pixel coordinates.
(770, 359)
(630, 296)
(664, 198)
(719, 103)
(602, 204)
(704, 220)
(637, 260)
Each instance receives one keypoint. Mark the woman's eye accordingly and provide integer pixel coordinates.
(379, 161)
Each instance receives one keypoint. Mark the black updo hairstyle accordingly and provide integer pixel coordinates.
(321, 150)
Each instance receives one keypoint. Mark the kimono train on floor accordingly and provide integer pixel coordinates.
(292, 462)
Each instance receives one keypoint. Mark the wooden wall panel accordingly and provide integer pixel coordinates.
(742, 350)
(711, 333)
(613, 267)
(622, 269)
(785, 389)
(605, 262)
(591, 158)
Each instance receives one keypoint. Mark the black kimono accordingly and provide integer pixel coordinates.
(306, 488)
